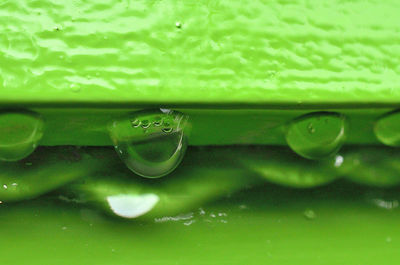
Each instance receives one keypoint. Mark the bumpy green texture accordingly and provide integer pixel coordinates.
(269, 53)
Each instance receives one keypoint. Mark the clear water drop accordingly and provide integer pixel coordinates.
(309, 214)
(135, 122)
(387, 129)
(20, 133)
(75, 88)
(317, 135)
(154, 149)
(157, 121)
(145, 124)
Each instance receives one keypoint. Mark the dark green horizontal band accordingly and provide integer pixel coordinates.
(209, 126)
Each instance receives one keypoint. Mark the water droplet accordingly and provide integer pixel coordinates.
(167, 128)
(64, 228)
(5, 186)
(387, 129)
(75, 88)
(157, 121)
(178, 25)
(145, 124)
(1, 202)
(317, 135)
(151, 152)
(135, 122)
(309, 214)
(20, 134)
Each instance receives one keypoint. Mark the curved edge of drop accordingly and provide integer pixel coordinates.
(303, 134)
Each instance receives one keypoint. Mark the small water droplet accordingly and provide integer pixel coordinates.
(387, 129)
(145, 124)
(178, 25)
(167, 128)
(157, 121)
(14, 184)
(135, 122)
(312, 137)
(20, 134)
(75, 88)
(1, 202)
(309, 214)
(64, 228)
(151, 152)
(5, 186)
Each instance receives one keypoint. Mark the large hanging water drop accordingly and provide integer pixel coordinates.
(20, 133)
(151, 143)
(387, 129)
(317, 135)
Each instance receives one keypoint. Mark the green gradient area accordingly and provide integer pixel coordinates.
(264, 225)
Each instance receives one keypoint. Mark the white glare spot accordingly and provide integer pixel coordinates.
(338, 161)
(132, 206)
(388, 205)
(5, 186)
(165, 110)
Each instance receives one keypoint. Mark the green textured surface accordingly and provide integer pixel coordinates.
(269, 53)
(263, 226)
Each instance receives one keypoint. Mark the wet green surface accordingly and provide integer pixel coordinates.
(265, 225)
(250, 52)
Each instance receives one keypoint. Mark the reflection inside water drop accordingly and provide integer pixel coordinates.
(151, 143)
(20, 133)
(317, 135)
(387, 129)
